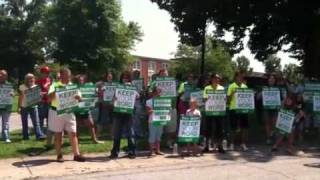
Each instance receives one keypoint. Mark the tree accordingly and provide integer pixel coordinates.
(271, 25)
(21, 40)
(292, 72)
(272, 64)
(217, 57)
(243, 64)
(90, 36)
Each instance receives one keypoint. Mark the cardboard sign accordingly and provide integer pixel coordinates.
(6, 98)
(125, 98)
(189, 129)
(67, 102)
(32, 96)
(271, 98)
(216, 103)
(161, 111)
(89, 97)
(109, 91)
(244, 100)
(285, 121)
(167, 85)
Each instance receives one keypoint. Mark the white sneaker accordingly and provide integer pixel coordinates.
(7, 141)
(231, 148)
(244, 147)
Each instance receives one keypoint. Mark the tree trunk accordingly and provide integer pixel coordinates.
(311, 63)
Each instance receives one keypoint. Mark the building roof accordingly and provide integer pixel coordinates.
(151, 58)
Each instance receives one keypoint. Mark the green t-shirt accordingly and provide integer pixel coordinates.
(231, 90)
(210, 88)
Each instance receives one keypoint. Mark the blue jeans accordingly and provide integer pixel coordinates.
(43, 110)
(33, 112)
(123, 122)
(4, 115)
(138, 116)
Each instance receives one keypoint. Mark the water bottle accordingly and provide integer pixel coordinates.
(224, 144)
(175, 148)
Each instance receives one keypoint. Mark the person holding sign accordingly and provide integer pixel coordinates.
(6, 97)
(28, 104)
(123, 102)
(155, 129)
(83, 115)
(271, 101)
(215, 112)
(288, 118)
(238, 121)
(184, 91)
(64, 121)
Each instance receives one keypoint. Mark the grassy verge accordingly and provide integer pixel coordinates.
(20, 148)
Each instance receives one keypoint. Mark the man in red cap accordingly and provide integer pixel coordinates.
(44, 82)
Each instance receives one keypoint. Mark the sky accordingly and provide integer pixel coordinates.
(160, 40)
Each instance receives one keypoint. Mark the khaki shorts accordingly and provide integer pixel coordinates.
(64, 122)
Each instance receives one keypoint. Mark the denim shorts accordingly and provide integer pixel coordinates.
(155, 133)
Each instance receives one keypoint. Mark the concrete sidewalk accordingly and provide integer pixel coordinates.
(233, 165)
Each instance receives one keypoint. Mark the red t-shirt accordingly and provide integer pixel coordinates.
(44, 84)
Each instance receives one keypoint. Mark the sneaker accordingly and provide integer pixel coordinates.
(7, 141)
(79, 158)
(43, 137)
(60, 158)
(113, 156)
(98, 142)
(231, 147)
(244, 147)
(132, 156)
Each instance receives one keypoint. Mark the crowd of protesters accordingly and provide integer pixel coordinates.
(214, 134)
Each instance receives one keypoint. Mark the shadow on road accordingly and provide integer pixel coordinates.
(313, 165)
(39, 162)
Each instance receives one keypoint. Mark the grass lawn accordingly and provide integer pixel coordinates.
(20, 148)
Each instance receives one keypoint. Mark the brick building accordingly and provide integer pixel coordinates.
(149, 66)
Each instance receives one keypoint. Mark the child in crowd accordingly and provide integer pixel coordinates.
(290, 104)
(193, 111)
(155, 131)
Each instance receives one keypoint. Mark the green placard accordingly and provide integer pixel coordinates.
(125, 98)
(271, 98)
(89, 97)
(67, 102)
(216, 103)
(161, 111)
(244, 100)
(189, 129)
(316, 102)
(167, 85)
(285, 121)
(139, 84)
(109, 91)
(32, 96)
(6, 98)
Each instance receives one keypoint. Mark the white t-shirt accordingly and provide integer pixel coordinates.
(194, 112)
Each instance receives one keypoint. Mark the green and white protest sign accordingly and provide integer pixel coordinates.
(271, 98)
(309, 90)
(88, 97)
(216, 103)
(109, 91)
(32, 96)
(139, 83)
(67, 102)
(161, 111)
(198, 96)
(316, 102)
(167, 85)
(285, 121)
(189, 129)
(244, 100)
(125, 96)
(6, 98)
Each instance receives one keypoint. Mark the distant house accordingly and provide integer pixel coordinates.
(147, 66)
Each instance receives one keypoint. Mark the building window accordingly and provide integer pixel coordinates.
(165, 66)
(151, 66)
(136, 65)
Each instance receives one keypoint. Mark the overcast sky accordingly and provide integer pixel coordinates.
(160, 39)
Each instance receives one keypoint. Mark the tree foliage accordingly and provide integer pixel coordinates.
(292, 72)
(243, 64)
(217, 56)
(272, 64)
(271, 25)
(90, 35)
